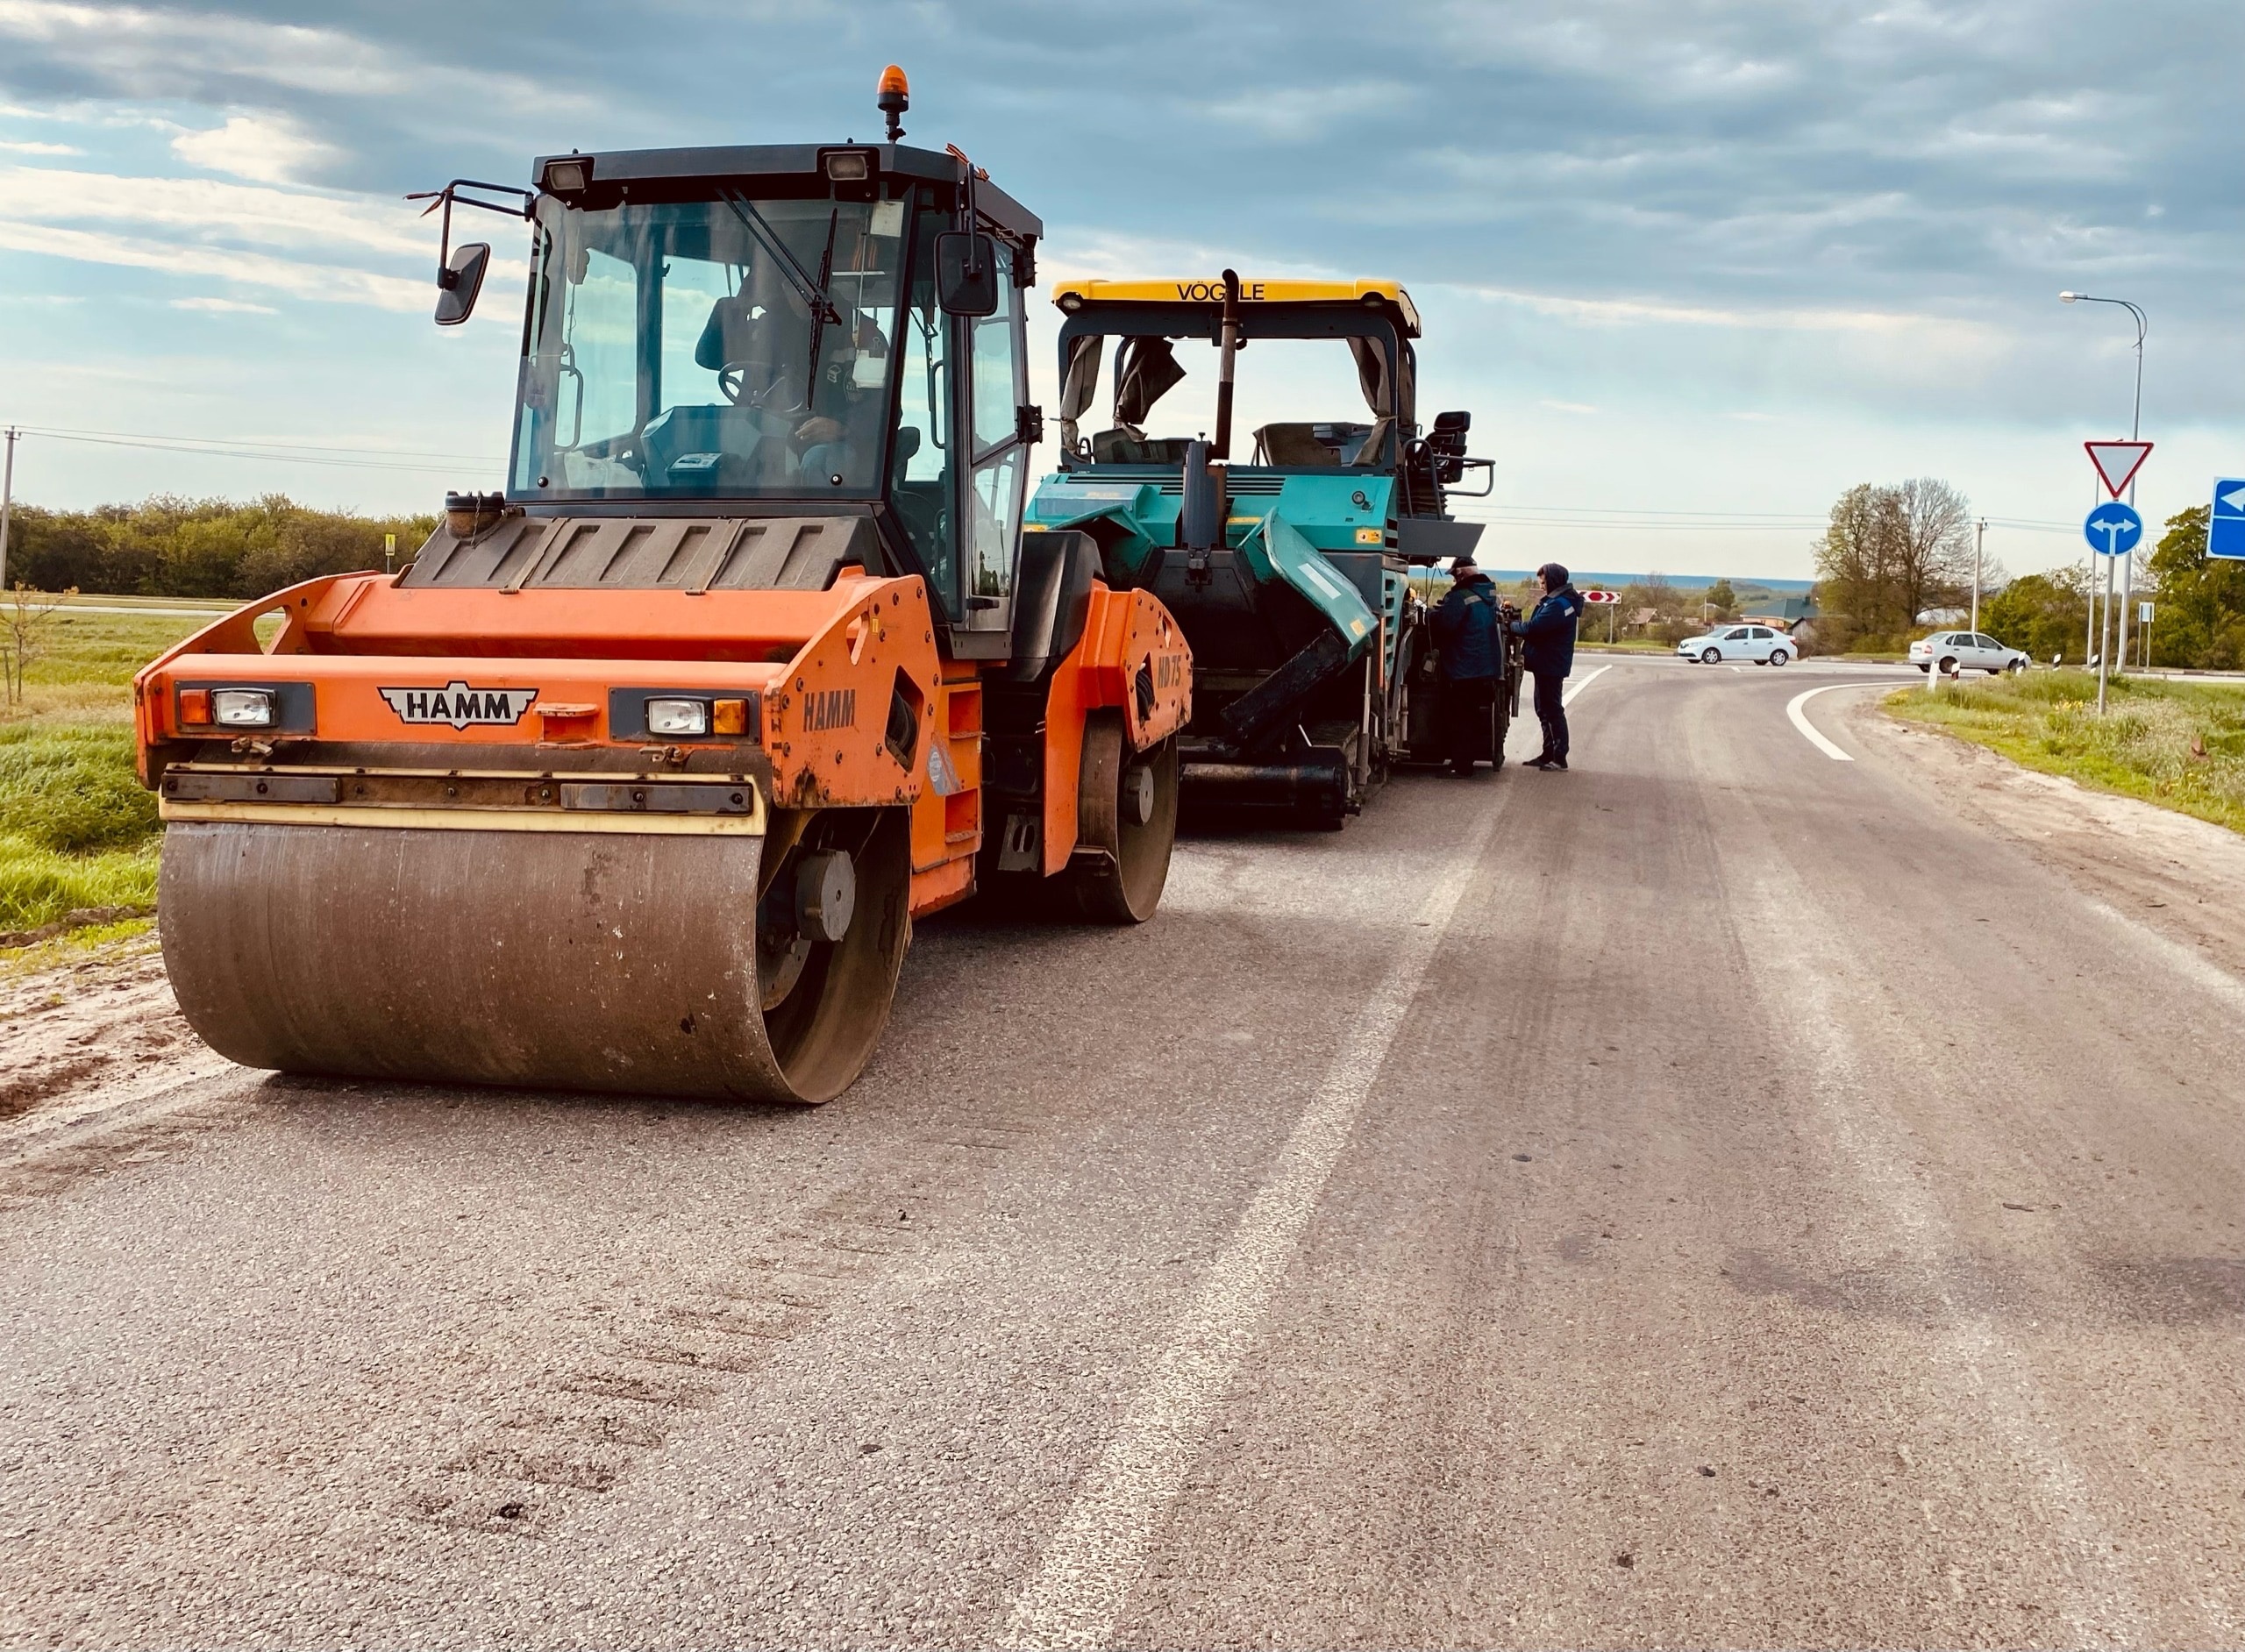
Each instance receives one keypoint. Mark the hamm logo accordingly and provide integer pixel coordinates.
(831, 708)
(459, 704)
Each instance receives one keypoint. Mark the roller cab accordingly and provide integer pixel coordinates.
(635, 778)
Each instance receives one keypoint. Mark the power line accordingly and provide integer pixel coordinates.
(1614, 519)
(272, 452)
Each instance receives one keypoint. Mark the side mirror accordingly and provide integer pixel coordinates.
(458, 282)
(967, 273)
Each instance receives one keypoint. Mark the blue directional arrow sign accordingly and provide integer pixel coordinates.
(2113, 529)
(2226, 527)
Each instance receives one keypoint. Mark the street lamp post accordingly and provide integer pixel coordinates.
(2135, 425)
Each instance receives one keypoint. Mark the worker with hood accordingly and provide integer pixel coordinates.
(1469, 638)
(1548, 651)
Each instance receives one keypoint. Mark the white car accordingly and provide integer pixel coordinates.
(1958, 652)
(1757, 643)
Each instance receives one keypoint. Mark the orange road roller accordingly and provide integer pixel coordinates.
(635, 778)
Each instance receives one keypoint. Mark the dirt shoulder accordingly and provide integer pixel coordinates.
(2182, 875)
(87, 1026)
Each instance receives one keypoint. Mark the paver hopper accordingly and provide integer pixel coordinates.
(1289, 572)
(636, 777)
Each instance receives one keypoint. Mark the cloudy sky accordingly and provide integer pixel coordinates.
(1695, 267)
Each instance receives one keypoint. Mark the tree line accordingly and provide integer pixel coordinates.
(169, 546)
(1891, 552)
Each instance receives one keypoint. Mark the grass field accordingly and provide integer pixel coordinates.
(76, 829)
(2181, 744)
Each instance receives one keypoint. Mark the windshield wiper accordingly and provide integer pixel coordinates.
(823, 306)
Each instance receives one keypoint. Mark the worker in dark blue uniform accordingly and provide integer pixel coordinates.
(1548, 651)
(1468, 636)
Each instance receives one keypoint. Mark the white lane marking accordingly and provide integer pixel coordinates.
(1098, 1550)
(1740, 669)
(1581, 683)
(1808, 729)
(2203, 972)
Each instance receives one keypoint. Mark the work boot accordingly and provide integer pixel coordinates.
(1540, 760)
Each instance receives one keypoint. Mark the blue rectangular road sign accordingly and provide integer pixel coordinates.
(2226, 527)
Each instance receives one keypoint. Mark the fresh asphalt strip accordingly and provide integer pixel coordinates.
(1100, 1548)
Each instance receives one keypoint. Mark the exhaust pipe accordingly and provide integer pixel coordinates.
(1221, 448)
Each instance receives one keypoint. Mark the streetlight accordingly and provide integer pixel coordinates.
(2135, 423)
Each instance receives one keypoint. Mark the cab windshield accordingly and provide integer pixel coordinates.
(732, 347)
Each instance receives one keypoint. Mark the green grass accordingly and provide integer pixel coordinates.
(86, 660)
(2180, 745)
(38, 887)
(76, 829)
(69, 788)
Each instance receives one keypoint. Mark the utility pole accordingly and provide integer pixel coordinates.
(7, 500)
(1980, 538)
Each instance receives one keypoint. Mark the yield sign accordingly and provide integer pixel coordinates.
(2118, 462)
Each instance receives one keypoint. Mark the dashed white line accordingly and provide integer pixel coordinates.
(1097, 1553)
(1808, 729)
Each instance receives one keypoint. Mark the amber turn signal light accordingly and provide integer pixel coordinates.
(729, 716)
(195, 708)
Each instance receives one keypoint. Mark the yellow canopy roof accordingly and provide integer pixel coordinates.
(1195, 291)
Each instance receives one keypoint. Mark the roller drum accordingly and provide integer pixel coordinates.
(563, 960)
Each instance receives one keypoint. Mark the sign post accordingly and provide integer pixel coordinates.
(1610, 602)
(2112, 530)
(2117, 464)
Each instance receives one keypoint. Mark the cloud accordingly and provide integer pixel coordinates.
(1289, 114)
(139, 51)
(32, 148)
(267, 148)
(206, 210)
(297, 279)
(223, 306)
(1643, 312)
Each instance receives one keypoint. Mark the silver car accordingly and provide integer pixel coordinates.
(1760, 644)
(1958, 652)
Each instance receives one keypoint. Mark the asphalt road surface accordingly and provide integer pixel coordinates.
(1717, 1195)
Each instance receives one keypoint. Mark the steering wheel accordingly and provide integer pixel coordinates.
(732, 384)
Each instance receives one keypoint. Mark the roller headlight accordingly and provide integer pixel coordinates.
(678, 717)
(244, 708)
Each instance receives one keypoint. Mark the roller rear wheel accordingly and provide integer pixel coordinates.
(1126, 824)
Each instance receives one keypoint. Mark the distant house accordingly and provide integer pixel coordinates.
(1944, 615)
(1781, 611)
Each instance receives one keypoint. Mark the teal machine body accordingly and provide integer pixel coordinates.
(1290, 571)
